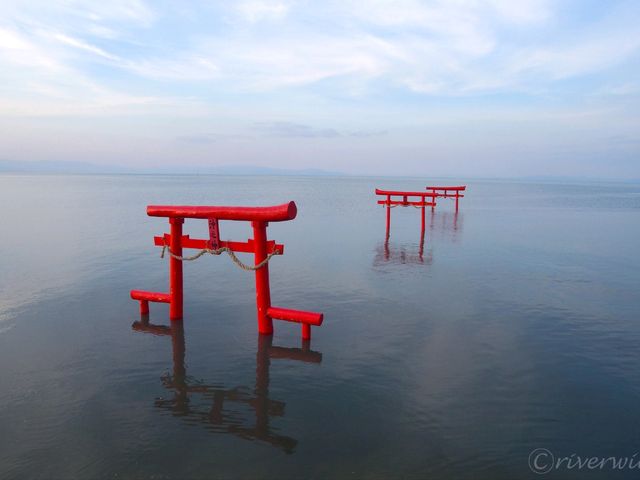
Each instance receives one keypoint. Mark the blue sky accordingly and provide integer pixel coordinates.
(434, 88)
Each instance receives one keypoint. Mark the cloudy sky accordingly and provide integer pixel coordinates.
(434, 87)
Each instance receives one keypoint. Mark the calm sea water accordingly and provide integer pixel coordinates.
(515, 326)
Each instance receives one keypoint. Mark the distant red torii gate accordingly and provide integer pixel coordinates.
(262, 249)
(447, 192)
(404, 201)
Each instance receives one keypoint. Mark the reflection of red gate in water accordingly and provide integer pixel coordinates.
(262, 249)
(221, 409)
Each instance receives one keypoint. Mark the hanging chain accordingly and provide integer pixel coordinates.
(218, 251)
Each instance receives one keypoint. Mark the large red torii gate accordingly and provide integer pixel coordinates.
(262, 249)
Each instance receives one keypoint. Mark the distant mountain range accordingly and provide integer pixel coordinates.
(65, 167)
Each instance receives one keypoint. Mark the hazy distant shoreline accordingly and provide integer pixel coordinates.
(86, 168)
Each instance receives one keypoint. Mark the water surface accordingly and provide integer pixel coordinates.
(513, 326)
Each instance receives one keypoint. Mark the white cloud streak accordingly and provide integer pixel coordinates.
(434, 47)
(255, 11)
(82, 45)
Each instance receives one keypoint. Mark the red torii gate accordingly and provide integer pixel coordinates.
(390, 202)
(262, 249)
(443, 192)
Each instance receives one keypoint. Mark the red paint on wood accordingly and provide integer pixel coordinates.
(458, 188)
(198, 243)
(277, 213)
(150, 296)
(175, 270)
(214, 234)
(406, 203)
(298, 316)
(403, 193)
(263, 294)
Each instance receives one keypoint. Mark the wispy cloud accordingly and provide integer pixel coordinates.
(294, 130)
(298, 130)
(260, 10)
(189, 68)
(210, 138)
(432, 47)
(82, 45)
(16, 50)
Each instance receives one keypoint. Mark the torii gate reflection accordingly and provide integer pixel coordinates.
(221, 416)
(447, 224)
(402, 254)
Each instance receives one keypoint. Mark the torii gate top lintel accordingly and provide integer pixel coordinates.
(276, 213)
